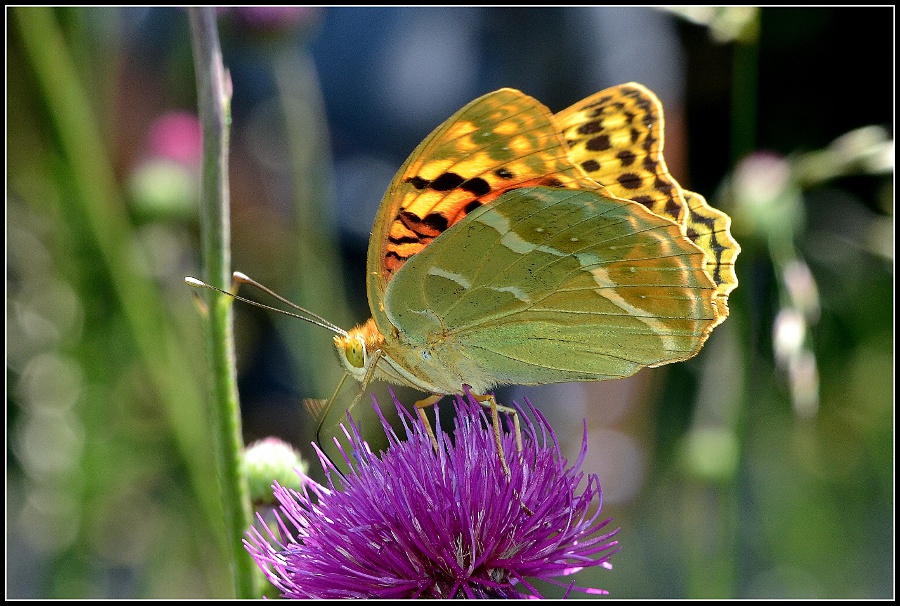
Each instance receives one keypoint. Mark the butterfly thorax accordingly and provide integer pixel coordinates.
(433, 365)
(363, 354)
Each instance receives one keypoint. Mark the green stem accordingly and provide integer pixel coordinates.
(213, 100)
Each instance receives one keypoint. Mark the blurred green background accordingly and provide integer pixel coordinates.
(762, 468)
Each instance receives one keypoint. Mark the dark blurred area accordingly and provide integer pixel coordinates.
(762, 468)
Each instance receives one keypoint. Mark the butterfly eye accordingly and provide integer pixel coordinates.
(355, 350)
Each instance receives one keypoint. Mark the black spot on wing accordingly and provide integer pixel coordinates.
(630, 181)
(477, 186)
(418, 182)
(626, 157)
(589, 128)
(446, 182)
(471, 206)
(598, 143)
(436, 221)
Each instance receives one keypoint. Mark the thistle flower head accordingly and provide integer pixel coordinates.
(414, 522)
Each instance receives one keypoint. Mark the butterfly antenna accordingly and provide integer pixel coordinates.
(245, 279)
(311, 317)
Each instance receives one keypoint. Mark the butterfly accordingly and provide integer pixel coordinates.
(518, 246)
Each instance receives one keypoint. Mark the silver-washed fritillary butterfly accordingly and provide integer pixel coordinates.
(515, 246)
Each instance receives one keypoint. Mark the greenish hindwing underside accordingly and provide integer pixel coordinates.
(548, 285)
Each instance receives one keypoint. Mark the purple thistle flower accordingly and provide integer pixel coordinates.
(412, 522)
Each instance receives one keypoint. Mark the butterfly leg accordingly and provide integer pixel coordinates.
(491, 402)
(494, 407)
(421, 405)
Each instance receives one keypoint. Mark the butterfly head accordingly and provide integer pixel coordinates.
(357, 347)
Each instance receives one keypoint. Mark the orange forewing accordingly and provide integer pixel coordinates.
(498, 142)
